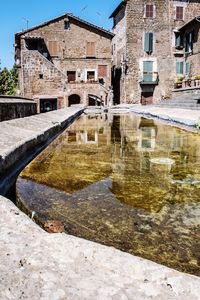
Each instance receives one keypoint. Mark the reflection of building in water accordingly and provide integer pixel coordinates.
(121, 148)
(83, 137)
(147, 135)
(92, 129)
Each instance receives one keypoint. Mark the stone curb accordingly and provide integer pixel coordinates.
(18, 141)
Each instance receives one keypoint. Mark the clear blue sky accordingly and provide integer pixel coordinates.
(38, 11)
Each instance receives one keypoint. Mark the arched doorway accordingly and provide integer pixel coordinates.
(74, 99)
(94, 100)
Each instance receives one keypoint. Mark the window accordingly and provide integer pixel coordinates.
(189, 42)
(149, 11)
(71, 75)
(179, 67)
(178, 40)
(90, 50)
(187, 68)
(179, 13)
(147, 71)
(66, 25)
(41, 76)
(148, 42)
(102, 71)
(90, 75)
(53, 48)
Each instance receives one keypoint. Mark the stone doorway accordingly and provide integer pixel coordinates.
(48, 105)
(74, 99)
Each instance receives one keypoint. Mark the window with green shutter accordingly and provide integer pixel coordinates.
(189, 42)
(178, 41)
(148, 71)
(148, 42)
(187, 68)
(180, 67)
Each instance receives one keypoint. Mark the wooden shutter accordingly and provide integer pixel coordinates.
(148, 42)
(102, 71)
(148, 71)
(179, 13)
(90, 49)
(53, 48)
(149, 11)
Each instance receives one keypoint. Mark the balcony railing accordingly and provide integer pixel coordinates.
(189, 83)
(149, 78)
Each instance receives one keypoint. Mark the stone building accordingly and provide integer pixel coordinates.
(145, 55)
(64, 61)
(187, 47)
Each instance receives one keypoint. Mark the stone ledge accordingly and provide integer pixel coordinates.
(21, 138)
(37, 265)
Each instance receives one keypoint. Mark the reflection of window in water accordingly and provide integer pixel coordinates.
(92, 137)
(147, 138)
(101, 130)
(177, 142)
(71, 136)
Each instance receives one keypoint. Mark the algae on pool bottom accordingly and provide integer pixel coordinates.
(122, 181)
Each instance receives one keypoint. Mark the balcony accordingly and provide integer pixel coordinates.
(149, 78)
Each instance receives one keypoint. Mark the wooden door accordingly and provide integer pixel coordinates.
(146, 98)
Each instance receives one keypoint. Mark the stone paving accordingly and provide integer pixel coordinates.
(185, 117)
(37, 265)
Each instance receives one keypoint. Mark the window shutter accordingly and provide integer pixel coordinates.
(90, 49)
(179, 67)
(187, 68)
(189, 42)
(102, 71)
(53, 48)
(148, 71)
(178, 40)
(148, 42)
(179, 12)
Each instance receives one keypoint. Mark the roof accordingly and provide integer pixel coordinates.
(70, 16)
(196, 19)
(119, 7)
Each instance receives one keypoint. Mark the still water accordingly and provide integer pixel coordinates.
(122, 181)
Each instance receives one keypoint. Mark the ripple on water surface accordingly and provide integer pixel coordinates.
(122, 181)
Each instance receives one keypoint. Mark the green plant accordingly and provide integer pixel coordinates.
(8, 81)
(179, 79)
(197, 124)
(197, 76)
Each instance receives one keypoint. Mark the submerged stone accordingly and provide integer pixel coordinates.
(111, 179)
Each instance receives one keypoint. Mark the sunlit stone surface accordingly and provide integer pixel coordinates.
(100, 179)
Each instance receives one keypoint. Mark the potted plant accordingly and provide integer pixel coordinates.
(197, 79)
(179, 81)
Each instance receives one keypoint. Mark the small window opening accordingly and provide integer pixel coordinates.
(149, 11)
(90, 76)
(41, 76)
(66, 25)
(179, 13)
(71, 75)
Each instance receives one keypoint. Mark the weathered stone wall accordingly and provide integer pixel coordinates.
(162, 26)
(41, 78)
(34, 64)
(13, 108)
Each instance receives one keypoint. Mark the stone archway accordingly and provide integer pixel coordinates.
(74, 99)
